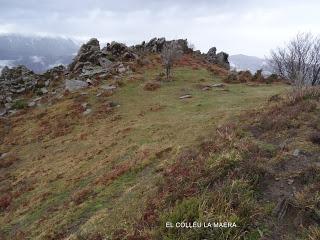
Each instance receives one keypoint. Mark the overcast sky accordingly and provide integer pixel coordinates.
(249, 27)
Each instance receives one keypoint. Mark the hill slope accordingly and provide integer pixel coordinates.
(139, 159)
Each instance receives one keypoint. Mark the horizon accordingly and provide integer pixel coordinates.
(247, 28)
(103, 43)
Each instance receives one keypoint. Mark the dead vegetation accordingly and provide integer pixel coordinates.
(7, 160)
(248, 177)
(151, 86)
(81, 195)
(80, 169)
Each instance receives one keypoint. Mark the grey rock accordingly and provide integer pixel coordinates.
(8, 105)
(206, 88)
(3, 155)
(15, 81)
(108, 87)
(3, 112)
(119, 51)
(121, 69)
(89, 55)
(75, 85)
(84, 105)
(186, 96)
(8, 99)
(87, 111)
(156, 45)
(220, 59)
(218, 85)
(44, 90)
(32, 104)
(296, 152)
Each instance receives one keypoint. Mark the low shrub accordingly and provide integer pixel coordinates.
(20, 104)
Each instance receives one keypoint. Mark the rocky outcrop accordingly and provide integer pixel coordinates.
(75, 85)
(90, 60)
(155, 45)
(119, 51)
(220, 58)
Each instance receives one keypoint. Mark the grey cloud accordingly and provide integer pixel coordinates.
(250, 27)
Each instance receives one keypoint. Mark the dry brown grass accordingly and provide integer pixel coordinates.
(117, 171)
(315, 137)
(81, 195)
(8, 160)
(302, 93)
(5, 201)
(151, 86)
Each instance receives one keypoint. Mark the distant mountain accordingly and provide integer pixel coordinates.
(251, 63)
(36, 53)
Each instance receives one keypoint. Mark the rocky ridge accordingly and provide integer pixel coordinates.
(91, 64)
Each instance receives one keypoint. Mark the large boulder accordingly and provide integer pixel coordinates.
(220, 58)
(75, 85)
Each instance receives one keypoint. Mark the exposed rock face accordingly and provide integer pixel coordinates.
(75, 85)
(16, 80)
(221, 58)
(56, 72)
(155, 45)
(90, 58)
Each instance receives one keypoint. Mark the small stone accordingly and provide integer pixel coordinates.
(3, 111)
(89, 81)
(290, 181)
(3, 155)
(206, 88)
(121, 69)
(44, 90)
(108, 87)
(296, 152)
(218, 85)
(86, 112)
(31, 104)
(185, 96)
(283, 146)
(8, 99)
(8, 105)
(84, 105)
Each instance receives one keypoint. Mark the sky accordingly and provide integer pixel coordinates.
(250, 27)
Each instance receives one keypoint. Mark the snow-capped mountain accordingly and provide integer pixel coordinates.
(37, 53)
(251, 63)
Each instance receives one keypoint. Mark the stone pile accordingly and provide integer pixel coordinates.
(15, 81)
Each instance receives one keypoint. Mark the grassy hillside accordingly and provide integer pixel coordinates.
(141, 158)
